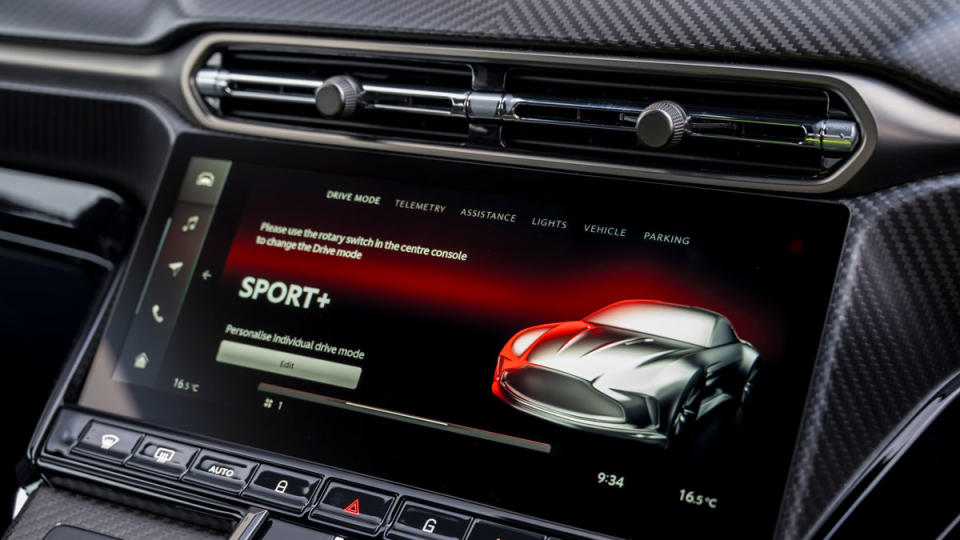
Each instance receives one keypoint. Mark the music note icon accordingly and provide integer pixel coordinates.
(191, 223)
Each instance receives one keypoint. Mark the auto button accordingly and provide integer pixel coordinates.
(163, 456)
(419, 522)
(220, 471)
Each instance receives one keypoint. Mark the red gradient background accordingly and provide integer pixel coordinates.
(517, 290)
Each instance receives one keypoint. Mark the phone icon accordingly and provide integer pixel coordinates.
(155, 310)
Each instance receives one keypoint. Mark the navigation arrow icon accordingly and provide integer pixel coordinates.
(206, 275)
(175, 267)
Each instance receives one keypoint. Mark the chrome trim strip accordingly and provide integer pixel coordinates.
(269, 96)
(412, 109)
(414, 92)
(250, 525)
(249, 78)
(511, 102)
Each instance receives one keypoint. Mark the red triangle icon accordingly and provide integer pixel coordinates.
(353, 508)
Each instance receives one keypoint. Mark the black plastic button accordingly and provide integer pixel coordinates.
(423, 522)
(108, 442)
(163, 456)
(220, 471)
(354, 507)
(281, 487)
(485, 530)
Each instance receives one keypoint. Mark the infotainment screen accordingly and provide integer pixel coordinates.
(621, 357)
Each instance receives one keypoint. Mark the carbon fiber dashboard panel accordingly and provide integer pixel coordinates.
(49, 507)
(102, 137)
(917, 39)
(892, 337)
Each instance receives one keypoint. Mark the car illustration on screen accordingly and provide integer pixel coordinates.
(638, 369)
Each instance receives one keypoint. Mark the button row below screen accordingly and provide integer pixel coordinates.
(353, 507)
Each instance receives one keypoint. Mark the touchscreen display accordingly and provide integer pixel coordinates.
(625, 360)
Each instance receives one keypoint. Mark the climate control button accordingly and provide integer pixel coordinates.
(107, 442)
(163, 456)
(220, 471)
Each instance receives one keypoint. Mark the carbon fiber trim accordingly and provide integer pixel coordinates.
(49, 507)
(892, 337)
(920, 38)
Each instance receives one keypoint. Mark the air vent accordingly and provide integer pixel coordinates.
(379, 97)
(707, 123)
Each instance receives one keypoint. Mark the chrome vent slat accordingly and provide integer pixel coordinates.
(570, 123)
(413, 110)
(781, 142)
(269, 96)
(332, 124)
(512, 102)
(414, 92)
(690, 158)
(268, 80)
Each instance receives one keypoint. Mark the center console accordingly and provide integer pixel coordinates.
(372, 345)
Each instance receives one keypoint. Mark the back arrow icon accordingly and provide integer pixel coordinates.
(206, 275)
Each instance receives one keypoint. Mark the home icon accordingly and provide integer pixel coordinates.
(141, 361)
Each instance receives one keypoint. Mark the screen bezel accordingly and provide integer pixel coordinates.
(430, 171)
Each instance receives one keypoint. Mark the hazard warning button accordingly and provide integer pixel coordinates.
(360, 509)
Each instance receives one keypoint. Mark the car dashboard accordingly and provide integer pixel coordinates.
(484, 271)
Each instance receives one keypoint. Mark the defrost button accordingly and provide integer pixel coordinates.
(162, 456)
(107, 442)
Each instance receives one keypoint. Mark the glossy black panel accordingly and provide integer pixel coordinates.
(44, 298)
(67, 213)
(911, 491)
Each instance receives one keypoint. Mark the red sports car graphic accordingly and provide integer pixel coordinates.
(638, 369)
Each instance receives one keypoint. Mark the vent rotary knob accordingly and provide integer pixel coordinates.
(338, 96)
(661, 125)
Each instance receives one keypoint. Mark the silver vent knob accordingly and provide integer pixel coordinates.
(338, 96)
(661, 125)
